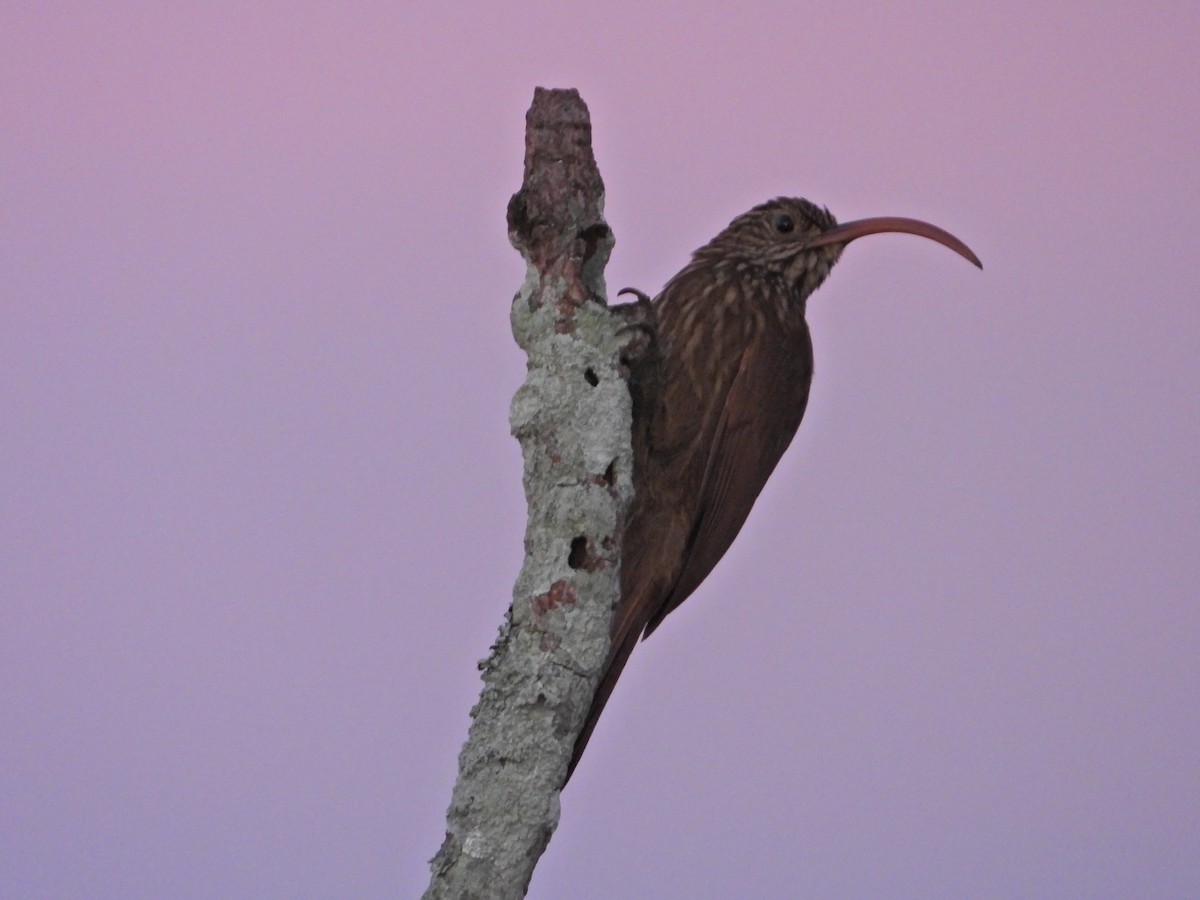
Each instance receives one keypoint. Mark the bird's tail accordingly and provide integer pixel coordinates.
(617, 657)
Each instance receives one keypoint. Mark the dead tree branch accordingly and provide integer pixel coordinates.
(572, 417)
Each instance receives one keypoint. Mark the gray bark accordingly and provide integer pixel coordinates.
(572, 417)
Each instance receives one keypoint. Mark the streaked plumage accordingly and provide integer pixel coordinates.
(716, 414)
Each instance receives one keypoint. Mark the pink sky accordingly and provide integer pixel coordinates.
(262, 513)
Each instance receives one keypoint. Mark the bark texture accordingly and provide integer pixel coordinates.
(573, 418)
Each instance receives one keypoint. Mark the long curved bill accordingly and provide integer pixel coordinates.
(849, 231)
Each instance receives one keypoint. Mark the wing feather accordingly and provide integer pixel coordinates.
(762, 411)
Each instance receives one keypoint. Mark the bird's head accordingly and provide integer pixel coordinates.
(799, 241)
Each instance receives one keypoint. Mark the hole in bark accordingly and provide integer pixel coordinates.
(590, 377)
(610, 473)
(592, 237)
(578, 555)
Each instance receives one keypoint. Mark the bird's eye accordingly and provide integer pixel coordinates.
(784, 223)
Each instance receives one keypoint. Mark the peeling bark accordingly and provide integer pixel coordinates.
(573, 418)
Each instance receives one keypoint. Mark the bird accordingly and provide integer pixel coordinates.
(717, 400)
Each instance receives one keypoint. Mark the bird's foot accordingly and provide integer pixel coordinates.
(641, 324)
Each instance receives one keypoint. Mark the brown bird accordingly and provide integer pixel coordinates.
(715, 411)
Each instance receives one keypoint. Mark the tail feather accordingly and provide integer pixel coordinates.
(643, 587)
(617, 657)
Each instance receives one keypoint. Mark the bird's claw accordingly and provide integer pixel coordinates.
(642, 296)
(641, 323)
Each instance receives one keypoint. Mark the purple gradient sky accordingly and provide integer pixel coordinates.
(262, 513)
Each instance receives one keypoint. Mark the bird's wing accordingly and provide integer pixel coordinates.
(760, 416)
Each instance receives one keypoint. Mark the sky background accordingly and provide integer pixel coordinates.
(260, 511)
